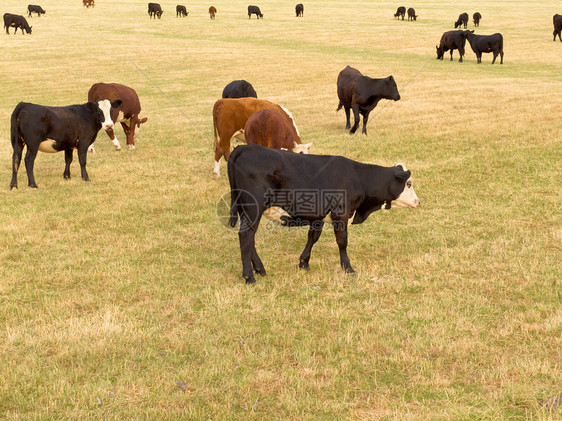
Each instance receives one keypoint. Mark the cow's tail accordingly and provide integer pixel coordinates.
(234, 194)
(15, 130)
(339, 107)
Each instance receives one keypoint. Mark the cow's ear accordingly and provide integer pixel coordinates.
(402, 175)
(142, 120)
(117, 103)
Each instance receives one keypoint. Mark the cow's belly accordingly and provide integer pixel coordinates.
(47, 146)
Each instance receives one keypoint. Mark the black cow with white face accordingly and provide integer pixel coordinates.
(486, 44)
(311, 190)
(16, 21)
(452, 40)
(56, 129)
(557, 21)
(362, 94)
(239, 89)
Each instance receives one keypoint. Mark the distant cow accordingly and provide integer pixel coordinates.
(557, 20)
(401, 11)
(88, 3)
(16, 21)
(36, 9)
(254, 10)
(476, 18)
(462, 20)
(299, 10)
(127, 113)
(412, 14)
(55, 129)
(486, 44)
(239, 89)
(212, 12)
(230, 116)
(362, 94)
(311, 190)
(155, 10)
(181, 11)
(452, 40)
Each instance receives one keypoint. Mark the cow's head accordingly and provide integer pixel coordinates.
(407, 197)
(302, 148)
(440, 52)
(28, 29)
(105, 108)
(159, 13)
(392, 88)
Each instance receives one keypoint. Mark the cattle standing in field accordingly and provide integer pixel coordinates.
(88, 3)
(181, 11)
(127, 113)
(299, 10)
(362, 94)
(155, 10)
(452, 40)
(33, 8)
(401, 11)
(55, 129)
(557, 20)
(16, 21)
(230, 116)
(476, 18)
(254, 10)
(311, 189)
(462, 20)
(412, 14)
(486, 44)
(212, 12)
(239, 89)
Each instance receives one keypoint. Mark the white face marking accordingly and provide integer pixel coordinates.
(105, 107)
(302, 148)
(292, 119)
(217, 169)
(408, 197)
(47, 146)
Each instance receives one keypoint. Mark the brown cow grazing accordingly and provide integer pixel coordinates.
(181, 11)
(127, 114)
(230, 116)
(212, 12)
(88, 3)
(412, 14)
(557, 20)
(452, 40)
(16, 21)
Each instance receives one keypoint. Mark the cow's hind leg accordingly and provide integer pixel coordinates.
(347, 117)
(365, 119)
(340, 231)
(30, 156)
(314, 233)
(16, 161)
(356, 118)
(246, 236)
(68, 161)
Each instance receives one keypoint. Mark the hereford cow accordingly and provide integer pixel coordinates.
(486, 44)
(557, 21)
(55, 129)
(476, 18)
(311, 190)
(401, 11)
(33, 8)
(412, 14)
(362, 94)
(127, 113)
(239, 89)
(155, 10)
(230, 116)
(254, 10)
(462, 20)
(88, 3)
(212, 12)
(181, 11)
(452, 40)
(299, 10)
(16, 21)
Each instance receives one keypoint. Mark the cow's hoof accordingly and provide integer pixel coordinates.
(349, 270)
(12, 186)
(250, 279)
(86, 179)
(304, 265)
(33, 186)
(260, 271)
(131, 147)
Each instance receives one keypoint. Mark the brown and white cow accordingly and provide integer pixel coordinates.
(212, 12)
(230, 116)
(88, 3)
(127, 114)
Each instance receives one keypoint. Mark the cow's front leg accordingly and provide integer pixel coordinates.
(451, 55)
(246, 237)
(347, 117)
(129, 134)
(29, 162)
(116, 143)
(340, 230)
(16, 161)
(314, 233)
(365, 119)
(82, 154)
(257, 263)
(355, 108)
(68, 161)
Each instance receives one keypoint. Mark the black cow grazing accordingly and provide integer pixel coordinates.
(299, 10)
(462, 20)
(401, 11)
(239, 89)
(486, 44)
(557, 20)
(412, 14)
(155, 10)
(310, 190)
(17, 21)
(181, 11)
(254, 10)
(476, 18)
(362, 94)
(452, 40)
(34, 8)
(55, 129)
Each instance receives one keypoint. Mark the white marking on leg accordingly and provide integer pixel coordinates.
(217, 169)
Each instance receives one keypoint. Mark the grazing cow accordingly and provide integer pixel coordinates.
(155, 10)
(362, 94)
(299, 10)
(254, 10)
(312, 190)
(127, 113)
(476, 18)
(34, 8)
(412, 14)
(55, 129)
(212, 12)
(401, 11)
(230, 116)
(239, 89)
(181, 11)
(17, 21)
(462, 20)
(452, 40)
(486, 44)
(557, 20)
(88, 3)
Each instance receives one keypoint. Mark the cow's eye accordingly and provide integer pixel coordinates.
(409, 184)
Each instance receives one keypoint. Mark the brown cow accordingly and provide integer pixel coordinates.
(230, 116)
(88, 3)
(212, 11)
(127, 114)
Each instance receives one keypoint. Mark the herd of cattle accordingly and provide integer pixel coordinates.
(155, 10)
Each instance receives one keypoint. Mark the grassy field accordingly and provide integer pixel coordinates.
(113, 291)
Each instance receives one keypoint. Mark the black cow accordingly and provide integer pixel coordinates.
(476, 18)
(181, 11)
(401, 11)
(299, 10)
(462, 20)
(254, 10)
(55, 129)
(557, 20)
(310, 190)
(362, 94)
(452, 40)
(17, 21)
(239, 89)
(155, 10)
(486, 44)
(412, 14)
(34, 8)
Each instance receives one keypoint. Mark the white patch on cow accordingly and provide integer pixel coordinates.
(217, 169)
(91, 148)
(240, 135)
(121, 117)
(131, 147)
(47, 146)
(136, 128)
(105, 107)
(401, 165)
(408, 197)
(116, 143)
(292, 119)
(302, 148)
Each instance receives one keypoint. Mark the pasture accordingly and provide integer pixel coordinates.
(113, 291)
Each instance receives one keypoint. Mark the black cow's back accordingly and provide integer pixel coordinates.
(239, 89)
